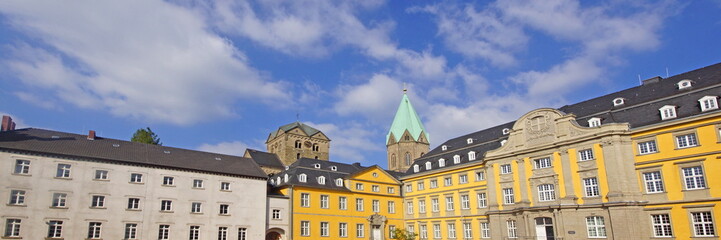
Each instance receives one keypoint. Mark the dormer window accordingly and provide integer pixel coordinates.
(506, 131)
(277, 180)
(333, 168)
(428, 165)
(444, 147)
(456, 159)
(668, 112)
(469, 140)
(302, 177)
(321, 180)
(317, 165)
(272, 182)
(339, 182)
(285, 178)
(683, 84)
(503, 142)
(708, 103)
(594, 122)
(441, 162)
(416, 168)
(618, 101)
(471, 156)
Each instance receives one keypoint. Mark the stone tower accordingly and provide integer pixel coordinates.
(407, 139)
(297, 140)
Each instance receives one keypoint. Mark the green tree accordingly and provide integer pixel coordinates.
(402, 234)
(146, 136)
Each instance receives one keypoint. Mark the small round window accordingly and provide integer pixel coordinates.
(375, 174)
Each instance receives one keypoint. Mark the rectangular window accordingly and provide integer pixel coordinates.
(304, 228)
(480, 176)
(661, 225)
(131, 231)
(359, 204)
(136, 178)
(688, 140)
(449, 203)
(434, 205)
(391, 190)
(506, 169)
(410, 229)
(463, 179)
(703, 224)
(12, 228)
(324, 201)
(391, 231)
(647, 147)
(511, 227)
(360, 230)
(653, 182)
(134, 203)
(467, 231)
(693, 178)
(359, 186)
(323, 229)
(391, 207)
(585, 155)
(98, 201)
(482, 200)
(22, 167)
(59, 200)
(342, 203)
(448, 181)
(101, 175)
(421, 206)
(224, 209)
(343, 229)
(242, 234)
(194, 233)
(485, 230)
(542, 163)
(197, 183)
(436, 231)
(375, 188)
(224, 186)
(222, 233)
(590, 185)
(546, 192)
(376, 206)
(434, 183)
(596, 227)
(421, 186)
(409, 208)
(166, 205)
(305, 200)
(17, 197)
(63, 171)
(508, 196)
(163, 232)
(196, 207)
(465, 202)
(276, 214)
(55, 229)
(423, 232)
(409, 188)
(451, 230)
(168, 181)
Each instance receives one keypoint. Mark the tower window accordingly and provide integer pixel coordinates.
(315, 147)
(297, 144)
(297, 156)
(408, 138)
(408, 158)
(393, 160)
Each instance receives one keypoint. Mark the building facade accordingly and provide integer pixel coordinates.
(67, 186)
(297, 140)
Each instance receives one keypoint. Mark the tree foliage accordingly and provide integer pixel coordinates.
(146, 136)
(402, 234)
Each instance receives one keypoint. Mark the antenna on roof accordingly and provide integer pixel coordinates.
(639, 80)
(297, 117)
(666, 72)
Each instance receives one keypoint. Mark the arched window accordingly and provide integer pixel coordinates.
(408, 138)
(297, 156)
(428, 165)
(408, 158)
(441, 162)
(272, 182)
(297, 144)
(339, 182)
(277, 180)
(285, 178)
(302, 177)
(457, 159)
(471, 155)
(393, 160)
(315, 147)
(316, 157)
(321, 180)
(416, 168)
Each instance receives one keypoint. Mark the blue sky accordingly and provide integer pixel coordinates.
(221, 75)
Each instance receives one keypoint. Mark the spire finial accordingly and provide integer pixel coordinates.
(405, 89)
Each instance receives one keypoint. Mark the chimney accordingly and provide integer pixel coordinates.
(651, 80)
(91, 135)
(7, 124)
(357, 164)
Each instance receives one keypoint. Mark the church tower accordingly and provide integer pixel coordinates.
(407, 139)
(298, 140)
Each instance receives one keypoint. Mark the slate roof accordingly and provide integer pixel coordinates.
(406, 118)
(40, 141)
(265, 159)
(640, 108)
(307, 166)
(308, 130)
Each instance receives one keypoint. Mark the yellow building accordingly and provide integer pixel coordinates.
(340, 201)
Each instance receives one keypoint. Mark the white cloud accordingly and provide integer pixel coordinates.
(375, 99)
(38, 100)
(144, 59)
(235, 148)
(351, 142)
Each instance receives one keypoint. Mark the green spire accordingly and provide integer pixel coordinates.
(406, 119)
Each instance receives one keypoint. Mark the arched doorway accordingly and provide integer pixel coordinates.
(544, 228)
(274, 234)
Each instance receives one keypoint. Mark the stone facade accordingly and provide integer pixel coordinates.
(402, 153)
(297, 140)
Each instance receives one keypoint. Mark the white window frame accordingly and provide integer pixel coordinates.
(416, 168)
(168, 181)
(302, 178)
(590, 186)
(55, 229)
(321, 180)
(708, 103)
(444, 147)
(469, 141)
(447, 181)
(683, 84)
(95, 230)
(136, 178)
(467, 231)
(305, 199)
(423, 231)
(63, 170)
(343, 229)
(434, 183)
(456, 159)
(324, 229)
(585, 155)
(166, 205)
(420, 185)
(12, 227)
(421, 206)
(360, 230)
(441, 162)
(224, 209)
(342, 203)
(512, 228)
(435, 205)
(131, 231)
(661, 224)
(485, 230)
(59, 200)
(471, 156)
(163, 231)
(653, 182)
(436, 231)
(22, 167)
(276, 214)
(224, 186)
(339, 182)
(539, 163)
(480, 176)
(449, 203)
(667, 112)
(686, 140)
(506, 169)
(594, 122)
(359, 205)
(428, 165)
(359, 186)
(391, 207)
(451, 227)
(198, 183)
(17, 197)
(647, 147)
(409, 207)
(508, 197)
(702, 224)
(482, 199)
(97, 201)
(595, 227)
(133, 203)
(546, 192)
(462, 179)
(305, 228)
(693, 178)
(465, 202)
(618, 101)
(376, 205)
